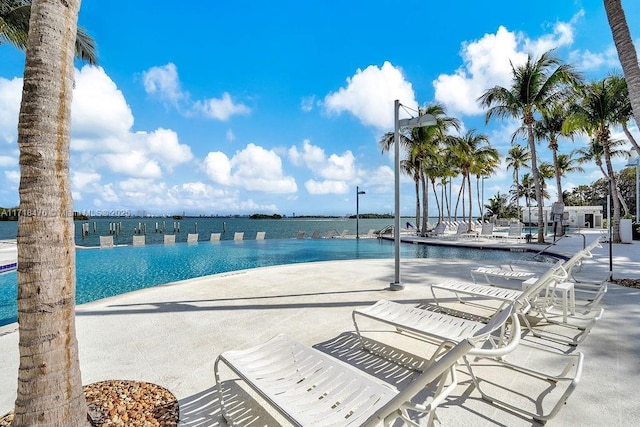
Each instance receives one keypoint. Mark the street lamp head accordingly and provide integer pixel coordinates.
(362, 192)
(420, 121)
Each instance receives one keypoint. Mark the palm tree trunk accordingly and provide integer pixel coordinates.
(425, 202)
(438, 204)
(518, 192)
(558, 185)
(630, 137)
(417, 183)
(613, 185)
(480, 201)
(470, 203)
(455, 210)
(626, 52)
(536, 182)
(448, 201)
(49, 380)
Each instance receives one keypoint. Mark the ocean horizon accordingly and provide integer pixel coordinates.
(154, 228)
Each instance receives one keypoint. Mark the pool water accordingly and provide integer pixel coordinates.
(103, 273)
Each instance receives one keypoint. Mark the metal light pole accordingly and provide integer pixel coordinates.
(420, 121)
(358, 193)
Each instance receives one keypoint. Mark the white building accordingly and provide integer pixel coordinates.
(573, 216)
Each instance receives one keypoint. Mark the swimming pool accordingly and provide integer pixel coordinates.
(103, 273)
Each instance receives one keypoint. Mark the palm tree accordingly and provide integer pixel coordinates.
(413, 170)
(518, 157)
(473, 150)
(546, 171)
(626, 52)
(593, 114)
(49, 380)
(568, 163)
(433, 139)
(422, 143)
(486, 166)
(625, 112)
(14, 26)
(536, 85)
(594, 153)
(549, 128)
(497, 205)
(407, 165)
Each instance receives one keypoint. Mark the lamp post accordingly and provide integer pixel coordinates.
(358, 193)
(634, 160)
(420, 121)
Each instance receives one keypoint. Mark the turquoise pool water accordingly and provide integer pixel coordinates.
(103, 273)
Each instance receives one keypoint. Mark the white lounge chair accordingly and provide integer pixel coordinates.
(502, 273)
(486, 232)
(515, 232)
(446, 329)
(215, 237)
(192, 238)
(307, 386)
(539, 293)
(106, 241)
(139, 240)
(439, 230)
(169, 239)
(436, 326)
(260, 235)
(238, 236)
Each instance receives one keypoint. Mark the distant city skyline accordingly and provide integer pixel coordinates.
(251, 108)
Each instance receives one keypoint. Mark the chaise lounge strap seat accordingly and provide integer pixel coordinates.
(502, 273)
(311, 388)
(427, 323)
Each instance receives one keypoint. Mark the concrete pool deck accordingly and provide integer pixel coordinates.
(170, 335)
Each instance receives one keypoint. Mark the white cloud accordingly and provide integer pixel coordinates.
(562, 36)
(163, 144)
(326, 187)
(98, 108)
(307, 103)
(253, 168)
(12, 176)
(10, 94)
(487, 63)
(587, 60)
(230, 135)
(8, 161)
(221, 109)
(80, 180)
(370, 94)
(335, 167)
(381, 178)
(163, 81)
(134, 163)
(218, 167)
(102, 132)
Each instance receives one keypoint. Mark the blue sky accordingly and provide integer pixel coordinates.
(277, 107)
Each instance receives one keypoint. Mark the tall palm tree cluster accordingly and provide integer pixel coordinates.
(553, 104)
(434, 157)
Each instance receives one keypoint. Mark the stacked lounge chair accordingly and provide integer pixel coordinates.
(307, 386)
